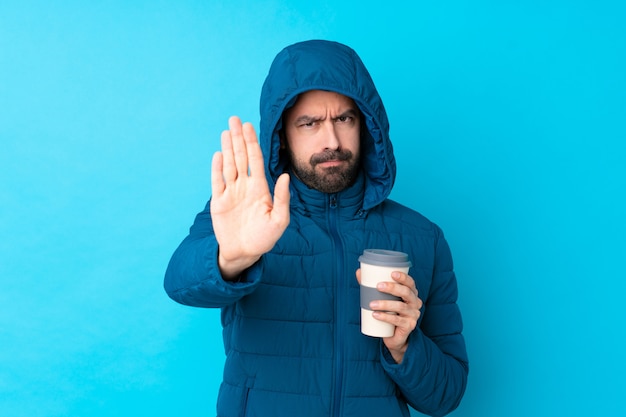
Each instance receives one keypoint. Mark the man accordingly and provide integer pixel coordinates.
(277, 250)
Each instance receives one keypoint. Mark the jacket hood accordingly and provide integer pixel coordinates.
(330, 66)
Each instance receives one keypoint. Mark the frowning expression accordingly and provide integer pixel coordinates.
(322, 136)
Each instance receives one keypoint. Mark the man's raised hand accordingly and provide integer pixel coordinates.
(246, 220)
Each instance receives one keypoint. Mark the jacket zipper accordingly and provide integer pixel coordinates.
(339, 285)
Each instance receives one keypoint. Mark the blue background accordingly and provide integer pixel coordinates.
(508, 121)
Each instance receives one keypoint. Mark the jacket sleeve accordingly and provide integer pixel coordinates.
(193, 277)
(433, 373)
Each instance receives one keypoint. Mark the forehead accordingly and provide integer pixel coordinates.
(320, 102)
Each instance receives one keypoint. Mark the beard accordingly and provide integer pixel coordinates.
(327, 180)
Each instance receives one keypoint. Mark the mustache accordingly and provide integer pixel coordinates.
(330, 155)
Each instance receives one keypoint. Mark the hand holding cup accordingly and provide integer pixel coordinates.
(393, 319)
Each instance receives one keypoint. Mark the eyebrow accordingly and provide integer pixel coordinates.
(348, 113)
(311, 119)
(307, 119)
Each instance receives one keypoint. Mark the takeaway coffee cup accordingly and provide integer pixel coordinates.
(377, 266)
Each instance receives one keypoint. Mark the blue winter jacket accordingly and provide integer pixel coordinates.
(291, 324)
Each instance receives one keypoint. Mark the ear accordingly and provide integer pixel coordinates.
(283, 139)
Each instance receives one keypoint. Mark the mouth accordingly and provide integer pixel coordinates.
(331, 159)
(331, 163)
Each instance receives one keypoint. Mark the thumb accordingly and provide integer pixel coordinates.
(281, 199)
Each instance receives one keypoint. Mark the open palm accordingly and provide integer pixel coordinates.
(246, 219)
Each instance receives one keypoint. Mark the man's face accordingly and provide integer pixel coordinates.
(322, 137)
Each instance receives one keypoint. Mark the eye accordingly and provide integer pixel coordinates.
(345, 119)
(307, 125)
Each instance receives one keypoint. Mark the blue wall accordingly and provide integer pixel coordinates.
(508, 120)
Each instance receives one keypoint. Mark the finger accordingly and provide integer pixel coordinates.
(406, 293)
(217, 179)
(407, 281)
(255, 156)
(229, 171)
(402, 307)
(358, 276)
(389, 306)
(405, 323)
(239, 146)
(402, 278)
(403, 326)
(388, 317)
(280, 210)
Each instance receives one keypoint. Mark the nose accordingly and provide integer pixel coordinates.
(331, 137)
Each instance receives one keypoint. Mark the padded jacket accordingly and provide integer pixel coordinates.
(291, 323)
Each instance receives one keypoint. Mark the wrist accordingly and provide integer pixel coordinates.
(398, 354)
(231, 270)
